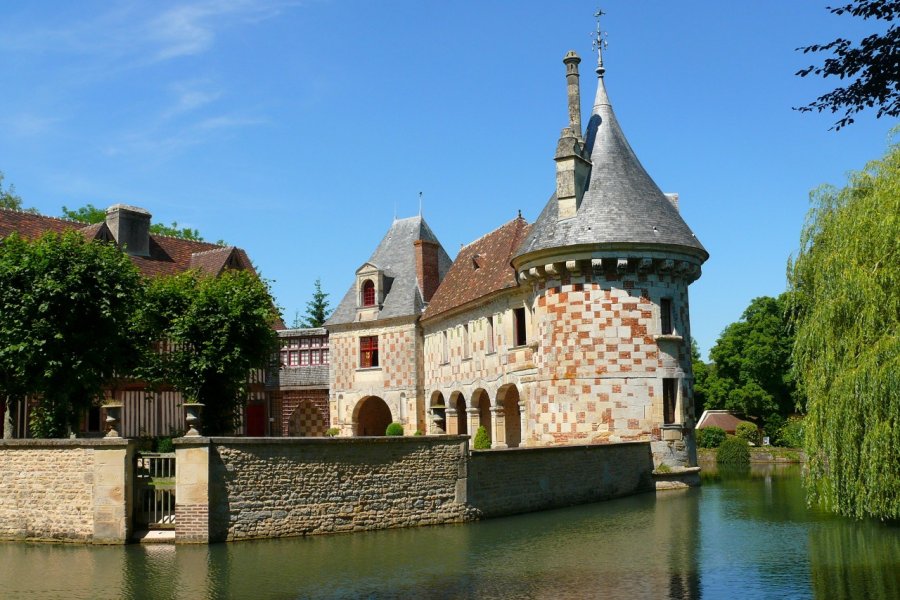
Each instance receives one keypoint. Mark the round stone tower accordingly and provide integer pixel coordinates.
(609, 262)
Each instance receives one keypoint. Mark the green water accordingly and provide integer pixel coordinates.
(748, 536)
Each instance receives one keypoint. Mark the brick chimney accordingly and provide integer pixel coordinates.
(427, 267)
(130, 226)
(572, 169)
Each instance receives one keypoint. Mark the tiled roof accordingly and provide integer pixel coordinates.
(481, 268)
(168, 255)
(621, 205)
(719, 418)
(396, 257)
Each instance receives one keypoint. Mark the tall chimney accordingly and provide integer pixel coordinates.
(573, 90)
(572, 169)
(130, 226)
(427, 267)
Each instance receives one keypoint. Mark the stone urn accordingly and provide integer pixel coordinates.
(113, 418)
(437, 417)
(192, 413)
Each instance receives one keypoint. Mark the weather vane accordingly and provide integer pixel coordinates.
(599, 42)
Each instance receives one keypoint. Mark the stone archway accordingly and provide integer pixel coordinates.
(372, 416)
(458, 403)
(482, 403)
(508, 400)
(438, 417)
(307, 420)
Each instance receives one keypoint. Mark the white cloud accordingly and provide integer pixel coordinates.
(28, 124)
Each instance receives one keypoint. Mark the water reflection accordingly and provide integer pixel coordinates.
(744, 534)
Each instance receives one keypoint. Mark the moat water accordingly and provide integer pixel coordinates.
(739, 536)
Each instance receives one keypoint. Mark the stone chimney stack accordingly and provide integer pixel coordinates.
(573, 89)
(572, 169)
(427, 267)
(130, 226)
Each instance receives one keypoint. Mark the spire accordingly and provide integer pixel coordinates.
(599, 44)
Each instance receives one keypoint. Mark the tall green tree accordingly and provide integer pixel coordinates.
(846, 311)
(90, 214)
(317, 310)
(751, 372)
(871, 66)
(9, 199)
(66, 307)
(701, 380)
(212, 332)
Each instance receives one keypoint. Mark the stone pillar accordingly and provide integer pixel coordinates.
(524, 434)
(192, 490)
(452, 421)
(498, 421)
(473, 421)
(113, 490)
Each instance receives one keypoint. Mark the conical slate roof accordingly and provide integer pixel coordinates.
(621, 205)
(395, 257)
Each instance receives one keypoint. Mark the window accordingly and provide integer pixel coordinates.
(490, 334)
(519, 324)
(368, 352)
(368, 293)
(315, 358)
(293, 358)
(665, 316)
(670, 398)
(445, 348)
(325, 356)
(466, 350)
(304, 358)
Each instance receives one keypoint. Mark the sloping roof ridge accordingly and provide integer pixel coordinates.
(493, 231)
(210, 251)
(43, 216)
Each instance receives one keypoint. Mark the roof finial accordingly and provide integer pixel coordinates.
(599, 43)
(420, 204)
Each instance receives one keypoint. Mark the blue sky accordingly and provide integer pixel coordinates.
(296, 129)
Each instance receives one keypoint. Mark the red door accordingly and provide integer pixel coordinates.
(256, 420)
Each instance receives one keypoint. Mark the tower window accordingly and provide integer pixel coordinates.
(368, 352)
(368, 293)
(519, 324)
(665, 316)
(670, 398)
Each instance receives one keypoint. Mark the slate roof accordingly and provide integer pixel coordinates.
(168, 255)
(395, 256)
(621, 204)
(481, 268)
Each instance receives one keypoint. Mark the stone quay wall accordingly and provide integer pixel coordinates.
(519, 480)
(66, 490)
(275, 487)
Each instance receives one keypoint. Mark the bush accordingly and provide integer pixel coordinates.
(733, 451)
(482, 439)
(710, 437)
(748, 432)
(791, 433)
(164, 444)
(394, 429)
(418, 432)
(333, 432)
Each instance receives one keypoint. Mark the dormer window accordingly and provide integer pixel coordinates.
(368, 293)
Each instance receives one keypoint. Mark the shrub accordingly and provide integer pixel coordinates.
(164, 444)
(710, 437)
(482, 439)
(748, 432)
(733, 451)
(332, 432)
(418, 432)
(394, 429)
(791, 433)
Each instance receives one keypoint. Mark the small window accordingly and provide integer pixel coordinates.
(284, 358)
(445, 347)
(294, 359)
(466, 350)
(519, 324)
(665, 316)
(368, 293)
(304, 358)
(670, 398)
(489, 335)
(368, 352)
(314, 357)
(325, 356)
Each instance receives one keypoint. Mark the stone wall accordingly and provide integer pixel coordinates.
(66, 490)
(264, 488)
(530, 479)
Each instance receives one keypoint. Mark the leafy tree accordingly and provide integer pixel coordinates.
(873, 64)
(65, 311)
(90, 214)
(317, 311)
(9, 199)
(752, 374)
(846, 310)
(213, 332)
(701, 380)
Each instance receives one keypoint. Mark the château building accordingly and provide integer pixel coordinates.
(572, 330)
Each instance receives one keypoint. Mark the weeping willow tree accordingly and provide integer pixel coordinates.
(846, 307)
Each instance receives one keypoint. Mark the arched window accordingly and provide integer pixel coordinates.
(368, 293)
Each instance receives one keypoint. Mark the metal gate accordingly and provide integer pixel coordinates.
(154, 490)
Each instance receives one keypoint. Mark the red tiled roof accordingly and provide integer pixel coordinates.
(481, 268)
(168, 255)
(723, 419)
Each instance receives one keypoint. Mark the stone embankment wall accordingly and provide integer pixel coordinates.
(521, 480)
(264, 488)
(66, 490)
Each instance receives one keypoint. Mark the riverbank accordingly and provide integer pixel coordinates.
(764, 454)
